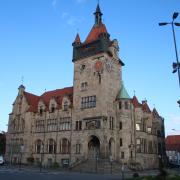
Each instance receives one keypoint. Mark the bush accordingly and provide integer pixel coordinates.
(55, 165)
(135, 175)
(30, 160)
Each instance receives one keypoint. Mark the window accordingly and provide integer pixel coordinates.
(138, 145)
(138, 127)
(40, 126)
(111, 123)
(64, 146)
(122, 155)
(51, 146)
(52, 108)
(41, 110)
(88, 102)
(64, 126)
(121, 143)
(158, 133)
(78, 148)
(84, 86)
(149, 130)
(120, 105)
(38, 146)
(52, 125)
(78, 125)
(131, 154)
(66, 106)
(120, 125)
(126, 105)
(150, 148)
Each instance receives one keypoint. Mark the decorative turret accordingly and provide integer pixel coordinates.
(21, 89)
(98, 14)
(77, 40)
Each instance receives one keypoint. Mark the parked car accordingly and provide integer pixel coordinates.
(1, 160)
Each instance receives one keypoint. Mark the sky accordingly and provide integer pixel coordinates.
(36, 49)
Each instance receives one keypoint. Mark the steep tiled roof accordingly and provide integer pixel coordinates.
(155, 113)
(95, 32)
(57, 94)
(173, 143)
(32, 101)
(77, 39)
(145, 107)
(135, 102)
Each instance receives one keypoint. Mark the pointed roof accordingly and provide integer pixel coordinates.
(135, 102)
(123, 94)
(155, 113)
(95, 32)
(32, 101)
(98, 10)
(145, 107)
(77, 39)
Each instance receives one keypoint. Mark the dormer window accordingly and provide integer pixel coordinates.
(41, 110)
(66, 106)
(52, 108)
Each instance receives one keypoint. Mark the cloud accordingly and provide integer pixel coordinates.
(54, 3)
(71, 20)
(64, 15)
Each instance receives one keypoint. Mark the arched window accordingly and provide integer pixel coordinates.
(64, 146)
(66, 105)
(51, 146)
(38, 146)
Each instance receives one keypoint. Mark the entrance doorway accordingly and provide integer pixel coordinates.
(93, 147)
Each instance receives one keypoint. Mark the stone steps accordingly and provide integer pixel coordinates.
(100, 166)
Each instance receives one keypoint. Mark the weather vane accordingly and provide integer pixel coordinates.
(22, 80)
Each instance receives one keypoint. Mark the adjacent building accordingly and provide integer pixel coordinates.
(95, 118)
(173, 149)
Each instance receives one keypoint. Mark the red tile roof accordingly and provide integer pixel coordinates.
(173, 143)
(135, 102)
(95, 32)
(32, 101)
(57, 94)
(145, 107)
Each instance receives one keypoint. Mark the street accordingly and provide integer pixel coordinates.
(16, 174)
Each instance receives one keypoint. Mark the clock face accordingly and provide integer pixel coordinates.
(98, 66)
(109, 65)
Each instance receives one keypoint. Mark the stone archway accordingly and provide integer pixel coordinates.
(111, 148)
(93, 147)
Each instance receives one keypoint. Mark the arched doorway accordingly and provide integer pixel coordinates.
(93, 147)
(111, 148)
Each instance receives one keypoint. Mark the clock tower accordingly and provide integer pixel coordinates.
(97, 77)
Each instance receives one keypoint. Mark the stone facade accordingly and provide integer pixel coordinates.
(95, 118)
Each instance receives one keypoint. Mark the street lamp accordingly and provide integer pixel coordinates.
(21, 151)
(176, 65)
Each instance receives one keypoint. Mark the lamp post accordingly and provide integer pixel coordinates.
(42, 154)
(176, 65)
(21, 151)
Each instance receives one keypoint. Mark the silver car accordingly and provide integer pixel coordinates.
(1, 160)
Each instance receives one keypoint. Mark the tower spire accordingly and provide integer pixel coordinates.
(98, 15)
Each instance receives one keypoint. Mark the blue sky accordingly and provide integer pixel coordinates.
(36, 38)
